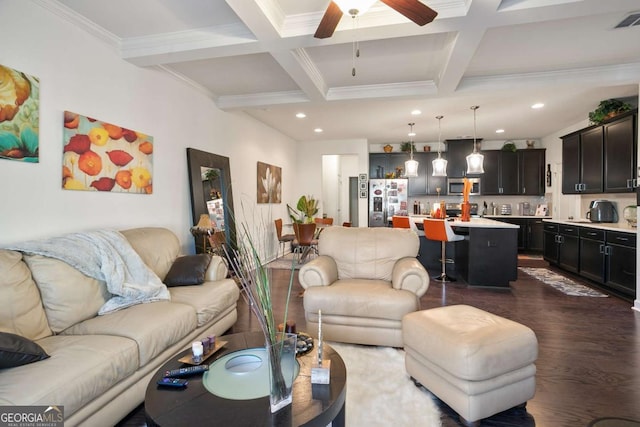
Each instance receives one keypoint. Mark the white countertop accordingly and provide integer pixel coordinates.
(518, 216)
(620, 226)
(473, 223)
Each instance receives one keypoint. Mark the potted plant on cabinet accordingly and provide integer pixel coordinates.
(608, 109)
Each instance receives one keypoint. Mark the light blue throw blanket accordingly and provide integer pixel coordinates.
(107, 256)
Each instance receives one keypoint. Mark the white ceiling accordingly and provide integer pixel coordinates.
(260, 57)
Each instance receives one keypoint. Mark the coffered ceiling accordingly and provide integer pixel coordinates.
(260, 57)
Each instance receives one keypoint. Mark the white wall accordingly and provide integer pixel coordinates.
(79, 73)
(309, 179)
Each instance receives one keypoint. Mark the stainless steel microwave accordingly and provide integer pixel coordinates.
(456, 185)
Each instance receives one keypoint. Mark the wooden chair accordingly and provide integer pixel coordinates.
(305, 241)
(323, 221)
(283, 238)
(440, 230)
(346, 224)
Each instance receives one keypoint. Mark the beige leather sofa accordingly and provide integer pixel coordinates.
(364, 281)
(99, 366)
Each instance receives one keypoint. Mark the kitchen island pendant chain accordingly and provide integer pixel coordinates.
(355, 50)
(439, 164)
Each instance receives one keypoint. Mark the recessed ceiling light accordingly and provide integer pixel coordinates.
(416, 112)
(411, 134)
(301, 115)
(499, 130)
(317, 130)
(537, 105)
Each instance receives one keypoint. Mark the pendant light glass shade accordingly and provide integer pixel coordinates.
(411, 166)
(439, 164)
(354, 7)
(475, 160)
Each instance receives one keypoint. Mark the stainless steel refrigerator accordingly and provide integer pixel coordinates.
(387, 197)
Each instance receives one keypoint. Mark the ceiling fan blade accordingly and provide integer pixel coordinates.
(329, 21)
(414, 10)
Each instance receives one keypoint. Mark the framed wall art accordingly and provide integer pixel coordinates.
(269, 183)
(19, 116)
(100, 156)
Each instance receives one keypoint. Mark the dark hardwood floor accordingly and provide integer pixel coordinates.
(588, 365)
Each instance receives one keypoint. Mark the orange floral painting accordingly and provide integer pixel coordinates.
(100, 156)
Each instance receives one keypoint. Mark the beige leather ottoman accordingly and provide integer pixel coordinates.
(476, 362)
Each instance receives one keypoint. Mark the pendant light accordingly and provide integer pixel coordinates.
(439, 164)
(475, 160)
(411, 166)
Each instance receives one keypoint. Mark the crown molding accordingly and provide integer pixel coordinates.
(390, 90)
(80, 21)
(261, 99)
(186, 80)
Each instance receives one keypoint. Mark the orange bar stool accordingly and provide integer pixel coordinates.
(400, 221)
(439, 229)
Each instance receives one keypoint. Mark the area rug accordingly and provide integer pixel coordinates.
(283, 263)
(561, 283)
(379, 391)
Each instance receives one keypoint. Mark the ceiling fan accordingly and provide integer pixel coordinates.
(414, 10)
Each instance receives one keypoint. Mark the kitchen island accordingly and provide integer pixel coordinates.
(488, 256)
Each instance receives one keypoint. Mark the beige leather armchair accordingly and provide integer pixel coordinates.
(364, 281)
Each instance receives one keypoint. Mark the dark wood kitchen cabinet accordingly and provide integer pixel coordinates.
(456, 154)
(592, 254)
(620, 251)
(500, 173)
(562, 246)
(530, 233)
(620, 155)
(602, 158)
(531, 172)
(425, 183)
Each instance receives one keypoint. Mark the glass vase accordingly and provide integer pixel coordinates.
(282, 370)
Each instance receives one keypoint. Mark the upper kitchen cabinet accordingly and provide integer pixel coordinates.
(457, 152)
(602, 158)
(425, 183)
(620, 158)
(531, 172)
(381, 164)
(500, 173)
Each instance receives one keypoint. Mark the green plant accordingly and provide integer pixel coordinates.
(607, 109)
(509, 146)
(406, 147)
(306, 209)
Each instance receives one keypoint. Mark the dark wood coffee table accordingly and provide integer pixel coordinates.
(313, 404)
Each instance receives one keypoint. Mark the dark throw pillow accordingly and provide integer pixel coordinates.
(188, 270)
(17, 351)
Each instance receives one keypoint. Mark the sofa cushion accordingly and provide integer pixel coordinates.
(209, 300)
(68, 295)
(360, 298)
(80, 369)
(22, 312)
(153, 326)
(157, 247)
(367, 253)
(188, 270)
(17, 351)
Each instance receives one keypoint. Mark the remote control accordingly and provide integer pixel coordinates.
(186, 372)
(172, 382)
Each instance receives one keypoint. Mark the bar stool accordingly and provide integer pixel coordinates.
(439, 229)
(400, 221)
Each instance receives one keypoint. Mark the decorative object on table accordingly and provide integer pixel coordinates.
(608, 109)
(475, 160)
(305, 211)
(304, 344)
(202, 230)
(388, 148)
(465, 206)
(509, 146)
(321, 368)
(411, 165)
(629, 213)
(439, 164)
(531, 143)
(19, 116)
(190, 360)
(255, 280)
(269, 183)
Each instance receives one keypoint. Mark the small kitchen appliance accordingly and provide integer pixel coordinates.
(602, 211)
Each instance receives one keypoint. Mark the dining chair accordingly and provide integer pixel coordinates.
(283, 238)
(323, 221)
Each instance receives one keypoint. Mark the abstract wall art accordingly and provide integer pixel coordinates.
(19, 115)
(100, 156)
(269, 183)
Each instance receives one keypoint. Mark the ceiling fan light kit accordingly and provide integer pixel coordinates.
(475, 160)
(354, 7)
(411, 166)
(439, 164)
